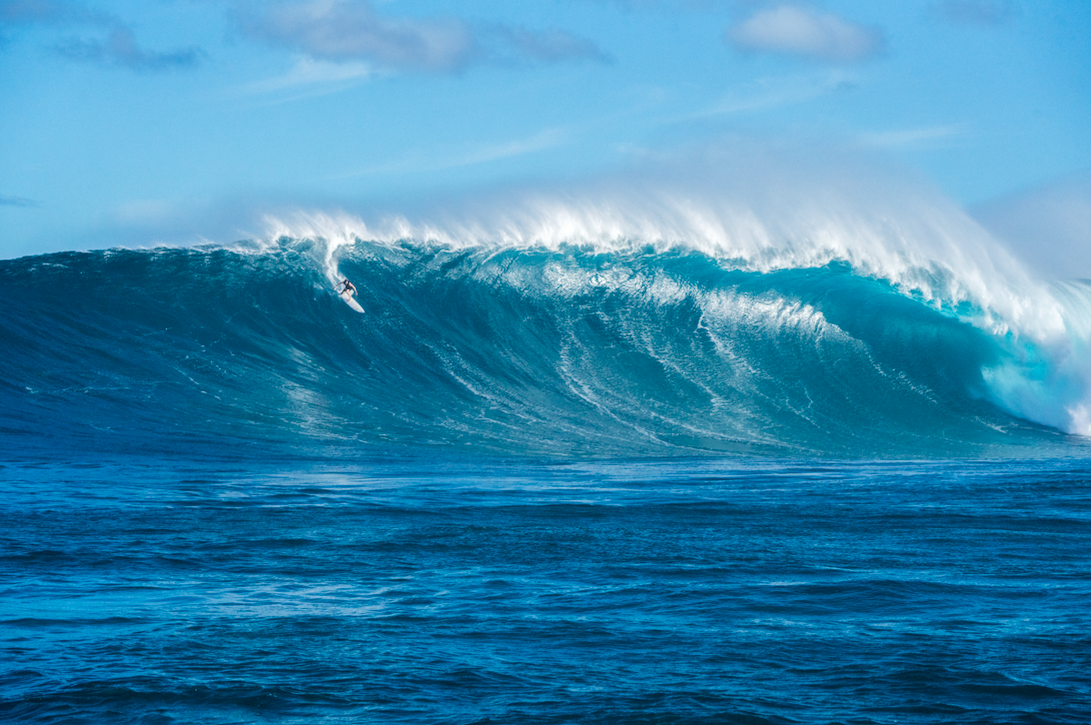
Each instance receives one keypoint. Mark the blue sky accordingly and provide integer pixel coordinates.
(174, 120)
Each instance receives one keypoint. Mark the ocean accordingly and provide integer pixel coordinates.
(562, 483)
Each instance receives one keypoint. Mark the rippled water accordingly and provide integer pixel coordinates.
(467, 590)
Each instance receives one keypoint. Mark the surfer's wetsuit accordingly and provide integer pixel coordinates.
(346, 286)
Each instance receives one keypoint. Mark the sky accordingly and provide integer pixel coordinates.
(134, 122)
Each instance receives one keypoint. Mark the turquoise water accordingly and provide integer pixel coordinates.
(563, 353)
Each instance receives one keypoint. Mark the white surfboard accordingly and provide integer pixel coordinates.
(350, 301)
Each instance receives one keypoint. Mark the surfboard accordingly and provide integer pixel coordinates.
(351, 301)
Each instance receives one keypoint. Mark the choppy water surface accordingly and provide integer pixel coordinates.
(457, 591)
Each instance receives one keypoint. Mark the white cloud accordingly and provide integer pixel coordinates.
(803, 31)
(340, 30)
(351, 30)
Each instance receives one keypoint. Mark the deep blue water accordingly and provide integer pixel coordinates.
(534, 486)
(496, 591)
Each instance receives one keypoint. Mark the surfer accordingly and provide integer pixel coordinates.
(346, 286)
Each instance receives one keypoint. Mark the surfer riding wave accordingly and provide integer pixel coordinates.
(346, 286)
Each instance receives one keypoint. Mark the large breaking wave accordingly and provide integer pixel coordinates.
(810, 311)
(611, 344)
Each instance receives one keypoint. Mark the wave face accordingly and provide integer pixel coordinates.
(558, 351)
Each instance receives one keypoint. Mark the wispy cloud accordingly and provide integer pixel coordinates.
(769, 93)
(121, 49)
(17, 201)
(351, 30)
(972, 12)
(798, 30)
(548, 46)
(118, 48)
(476, 154)
(547, 139)
(913, 137)
(317, 77)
